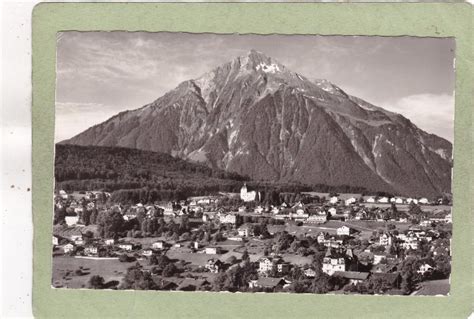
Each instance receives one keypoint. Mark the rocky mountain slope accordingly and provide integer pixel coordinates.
(255, 117)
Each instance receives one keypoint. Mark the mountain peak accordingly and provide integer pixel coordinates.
(258, 61)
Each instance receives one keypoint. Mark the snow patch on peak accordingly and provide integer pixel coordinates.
(268, 68)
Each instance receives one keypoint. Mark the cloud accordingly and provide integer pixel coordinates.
(434, 113)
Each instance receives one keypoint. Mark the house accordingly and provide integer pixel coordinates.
(369, 199)
(354, 277)
(425, 223)
(332, 242)
(385, 268)
(423, 201)
(227, 218)
(383, 200)
(266, 264)
(212, 250)
(410, 243)
(214, 265)
(399, 200)
(242, 209)
(63, 194)
(350, 201)
(310, 273)
(91, 250)
(448, 218)
(386, 239)
(109, 241)
(126, 246)
(333, 262)
(332, 211)
(245, 230)
(71, 220)
(283, 267)
(321, 237)
(267, 283)
(378, 258)
(55, 241)
(77, 239)
(333, 200)
(275, 210)
(158, 245)
(300, 211)
(317, 219)
(344, 231)
(259, 209)
(68, 248)
(147, 252)
(424, 268)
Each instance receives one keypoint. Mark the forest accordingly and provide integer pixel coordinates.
(133, 175)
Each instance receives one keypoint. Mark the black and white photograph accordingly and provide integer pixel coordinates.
(253, 163)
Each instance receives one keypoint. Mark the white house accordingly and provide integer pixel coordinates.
(147, 252)
(343, 231)
(77, 239)
(317, 219)
(424, 268)
(63, 194)
(266, 264)
(310, 273)
(109, 241)
(350, 201)
(213, 265)
(227, 219)
(55, 241)
(91, 250)
(71, 220)
(68, 248)
(211, 250)
(334, 200)
(378, 258)
(157, 245)
(370, 200)
(333, 263)
(386, 239)
(245, 230)
(448, 218)
(423, 201)
(332, 211)
(383, 200)
(398, 200)
(258, 210)
(126, 246)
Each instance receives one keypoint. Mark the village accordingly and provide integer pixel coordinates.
(306, 243)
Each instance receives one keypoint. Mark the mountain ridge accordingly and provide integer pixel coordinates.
(255, 117)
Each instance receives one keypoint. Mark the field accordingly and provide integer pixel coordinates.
(433, 288)
(109, 269)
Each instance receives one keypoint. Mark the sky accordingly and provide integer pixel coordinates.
(99, 74)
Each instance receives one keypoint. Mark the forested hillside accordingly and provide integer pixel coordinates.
(133, 175)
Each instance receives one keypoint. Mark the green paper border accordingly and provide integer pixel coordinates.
(384, 19)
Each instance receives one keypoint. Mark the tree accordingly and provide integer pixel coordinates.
(245, 255)
(169, 270)
(136, 279)
(96, 282)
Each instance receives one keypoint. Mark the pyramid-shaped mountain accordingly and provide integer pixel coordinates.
(255, 117)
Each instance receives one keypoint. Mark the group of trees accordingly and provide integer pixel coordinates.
(134, 176)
